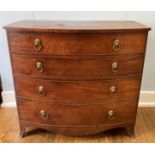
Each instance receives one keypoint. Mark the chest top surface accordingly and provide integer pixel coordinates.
(76, 26)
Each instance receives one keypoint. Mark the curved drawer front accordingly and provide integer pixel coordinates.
(77, 115)
(76, 67)
(78, 91)
(58, 44)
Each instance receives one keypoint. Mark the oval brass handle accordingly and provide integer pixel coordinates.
(112, 90)
(116, 45)
(44, 114)
(37, 44)
(41, 90)
(39, 66)
(110, 113)
(114, 66)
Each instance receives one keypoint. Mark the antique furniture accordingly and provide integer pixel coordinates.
(77, 77)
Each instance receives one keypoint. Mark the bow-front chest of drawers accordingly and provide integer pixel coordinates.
(77, 78)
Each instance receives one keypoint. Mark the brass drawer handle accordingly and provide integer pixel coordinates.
(39, 67)
(37, 44)
(116, 45)
(44, 114)
(114, 66)
(112, 90)
(110, 113)
(41, 90)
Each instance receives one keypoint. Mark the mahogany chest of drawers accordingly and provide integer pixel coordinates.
(77, 78)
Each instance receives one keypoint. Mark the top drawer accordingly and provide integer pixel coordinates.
(77, 44)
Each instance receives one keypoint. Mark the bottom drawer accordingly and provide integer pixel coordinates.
(76, 115)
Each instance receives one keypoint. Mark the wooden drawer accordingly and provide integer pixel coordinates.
(66, 44)
(76, 67)
(92, 91)
(92, 115)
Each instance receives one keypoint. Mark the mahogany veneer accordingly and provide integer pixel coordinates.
(80, 44)
(77, 78)
(79, 67)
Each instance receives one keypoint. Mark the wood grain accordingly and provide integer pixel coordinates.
(63, 91)
(58, 44)
(144, 131)
(76, 67)
(76, 26)
(77, 119)
(69, 115)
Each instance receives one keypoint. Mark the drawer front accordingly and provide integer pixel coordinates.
(58, 44)
(77, 115)
(92, 91)
(76, 67)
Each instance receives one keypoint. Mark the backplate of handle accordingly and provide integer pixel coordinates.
(116, 45)
(44, 114)
(112, 90)
(39, 67)
(37, 44)
(41, 90)
(114, 66)
(110, 113)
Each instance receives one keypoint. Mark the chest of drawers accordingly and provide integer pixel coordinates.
(77, 78)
